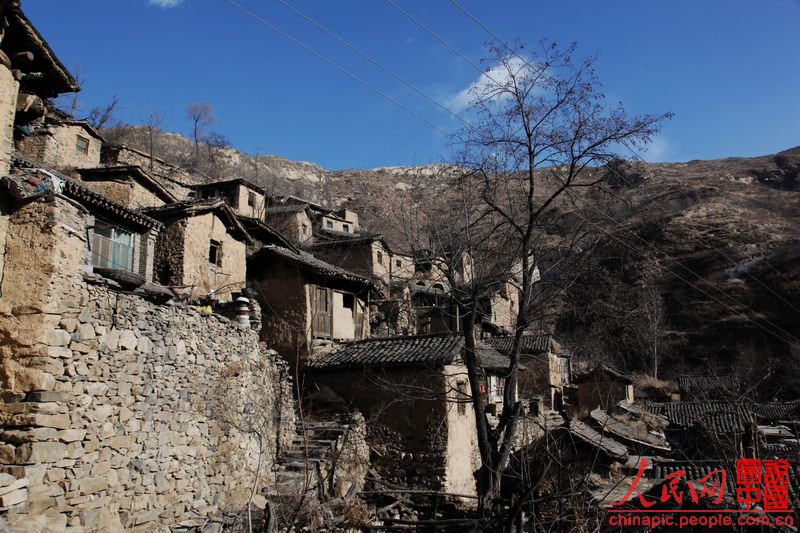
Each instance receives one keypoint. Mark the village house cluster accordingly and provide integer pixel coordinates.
(126, 281)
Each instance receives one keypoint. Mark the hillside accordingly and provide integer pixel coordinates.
(717, 239)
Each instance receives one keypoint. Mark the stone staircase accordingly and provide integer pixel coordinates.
(302, 466)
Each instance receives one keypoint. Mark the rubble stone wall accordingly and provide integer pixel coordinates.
(106, 419)
(168, 259)
(9, 89)
(56, 147)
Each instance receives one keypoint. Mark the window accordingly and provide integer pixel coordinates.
(304, 230)
(346, 228)
(380, 258)
(251, 199)
(463, 397)
(112, 247)
(82, 145)
(329, 224)
(398, 263)
(215, 253)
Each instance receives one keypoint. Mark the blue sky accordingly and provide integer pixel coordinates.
(728, 69)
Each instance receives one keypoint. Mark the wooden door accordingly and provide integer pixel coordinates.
(322, 323)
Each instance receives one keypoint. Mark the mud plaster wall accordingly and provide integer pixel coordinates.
(285, 302)
(423, 438)
(9, 89)
(230, 275)
(242, 206)
(129, 193)
(104, 421)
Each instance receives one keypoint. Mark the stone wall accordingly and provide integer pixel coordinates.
(107, 419)
(168, 258)
(56, 146)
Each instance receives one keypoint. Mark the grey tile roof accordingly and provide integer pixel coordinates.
(590, 436)
(190, 208)
(689, 384)
(718, 414)
(313, 264)
(85, 195)
(531, 344)
(412, 350)
(288, 208)
(632, 430)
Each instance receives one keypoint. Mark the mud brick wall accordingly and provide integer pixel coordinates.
(105, 420)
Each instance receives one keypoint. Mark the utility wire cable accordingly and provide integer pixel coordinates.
(374, 61)
(666, 256)
(441, 40)
(638, 157)
(334, 64)
(718, 250)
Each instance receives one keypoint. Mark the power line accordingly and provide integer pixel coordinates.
(441, 40)
(507, 46)
(374, 61)
(334, 64)
(640, 158)
(719, 251)
(792, 337)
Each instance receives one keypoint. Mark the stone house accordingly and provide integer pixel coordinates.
(306, 221)
(129, 185)
(601, 387)
(243, 196)
(202, 249)
(103, 421)
(169, 176)
(62, 143)
(30, 73)
(367, 255)
(120, 241)
(307, 302)
(546, 368)
(293, 220)
(262, 234)
(415, 391)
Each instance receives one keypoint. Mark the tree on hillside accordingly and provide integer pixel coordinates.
(154, 126)
(539, 126)
(201, 115)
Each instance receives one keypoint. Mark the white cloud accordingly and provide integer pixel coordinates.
(498, 74)
(165, 3)
(657, 150)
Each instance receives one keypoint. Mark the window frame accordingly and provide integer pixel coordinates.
(215, 246)
(78, 149)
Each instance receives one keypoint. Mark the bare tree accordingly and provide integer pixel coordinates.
(100, 116)
(654, 330)
(201, 115)
(539, 128)
(154, 124)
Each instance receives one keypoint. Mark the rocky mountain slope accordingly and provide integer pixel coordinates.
(717, 240)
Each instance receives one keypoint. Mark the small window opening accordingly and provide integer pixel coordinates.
(462, 397)
(82, 145)
(380, 258)
(348, 301)
(215, 253)
(251, 199)
(346, 228)
(398, 263)
(329, 224)
(304, 230)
